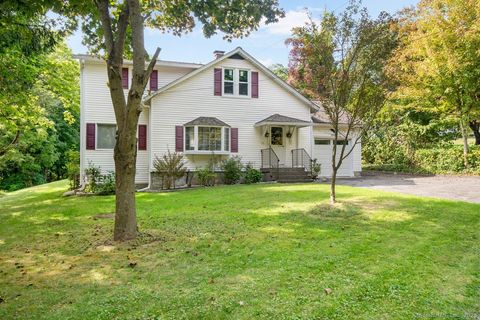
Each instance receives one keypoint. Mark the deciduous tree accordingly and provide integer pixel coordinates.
(341, 63)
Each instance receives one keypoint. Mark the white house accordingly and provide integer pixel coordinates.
(231, 106)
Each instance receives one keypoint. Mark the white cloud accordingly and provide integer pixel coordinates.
(293, 18)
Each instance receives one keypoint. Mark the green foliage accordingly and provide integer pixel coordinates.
(39, 123)
(107, 184)
(232, 170)
(280, 71)
(206, 176)
(437, 160)
(72, 166)
(252, 175)
(170, 168)
(316, 168)
(98, 183)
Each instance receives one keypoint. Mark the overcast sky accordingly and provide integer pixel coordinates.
(266, 44)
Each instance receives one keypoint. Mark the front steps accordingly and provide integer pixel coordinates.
(287, 175)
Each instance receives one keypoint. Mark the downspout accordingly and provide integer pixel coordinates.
(82, 123)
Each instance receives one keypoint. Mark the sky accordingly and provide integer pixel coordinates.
(267, 44)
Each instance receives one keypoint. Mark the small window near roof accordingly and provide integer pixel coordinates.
(340, 142)
(228, 81)
(322, 142)
(106, 136)
(243, 82)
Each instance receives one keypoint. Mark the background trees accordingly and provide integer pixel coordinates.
(38, 96)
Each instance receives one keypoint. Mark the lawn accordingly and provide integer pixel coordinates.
(261, 251)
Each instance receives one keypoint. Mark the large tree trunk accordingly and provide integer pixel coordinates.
(475, 126)
(125, 163)
(465, 143)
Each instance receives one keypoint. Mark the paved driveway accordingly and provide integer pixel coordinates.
(447, 187)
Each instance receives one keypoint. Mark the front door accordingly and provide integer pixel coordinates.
(277, 142)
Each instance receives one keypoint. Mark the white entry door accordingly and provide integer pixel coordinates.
(277, 142)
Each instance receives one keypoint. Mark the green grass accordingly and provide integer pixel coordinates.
(261, 251)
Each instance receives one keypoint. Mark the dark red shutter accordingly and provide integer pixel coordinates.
(217, 81)
(125, 78)
(179, 138)
(142, 137)
(254, 84)
(234, 139)
(90, 136)
(154, 80)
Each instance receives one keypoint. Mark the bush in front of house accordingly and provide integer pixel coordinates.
(73, 169)
(252, 175)
(206, 176)
(98, 183)
(232, 170)
(170, 167)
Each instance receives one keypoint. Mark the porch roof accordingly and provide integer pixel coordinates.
(278, 119)
(207, 121)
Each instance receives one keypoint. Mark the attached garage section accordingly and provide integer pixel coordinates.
(322, 151)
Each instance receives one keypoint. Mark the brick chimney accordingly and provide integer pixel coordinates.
(218, 53)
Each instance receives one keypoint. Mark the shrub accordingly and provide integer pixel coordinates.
(93, 175)
(444, 159)
(72, 166)
(170, 167)
(252, 175)
(98, 183)
(232, 170)
(206, 176)
(316, 168)
(107, 184)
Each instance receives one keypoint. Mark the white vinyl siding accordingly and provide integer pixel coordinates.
(178, 105)
(96, 107)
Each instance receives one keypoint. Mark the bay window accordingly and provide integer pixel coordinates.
(205, 139)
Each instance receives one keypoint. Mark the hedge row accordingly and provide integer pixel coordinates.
(444, 160)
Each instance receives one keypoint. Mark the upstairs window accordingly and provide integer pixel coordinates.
(236, 82)
(243, 82)
(228, 81)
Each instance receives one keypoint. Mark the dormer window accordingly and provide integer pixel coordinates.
(236, 82)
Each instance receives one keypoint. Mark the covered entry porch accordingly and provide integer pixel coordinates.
(285, 156)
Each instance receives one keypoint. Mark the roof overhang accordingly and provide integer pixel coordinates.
(160, 63)
(279, 120)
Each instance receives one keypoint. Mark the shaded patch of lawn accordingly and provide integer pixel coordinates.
(259, 251)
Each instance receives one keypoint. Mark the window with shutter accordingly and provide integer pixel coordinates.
(125, 78)
(142, 137)
(154, 80)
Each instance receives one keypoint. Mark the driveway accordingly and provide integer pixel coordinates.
(447, 187)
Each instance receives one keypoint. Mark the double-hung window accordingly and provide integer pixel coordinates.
(243, 82)
(106, 136)
(228, 81)
(236, 82)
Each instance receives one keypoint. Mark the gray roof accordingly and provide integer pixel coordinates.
(207, 121)
(322, 117)
(278, 118)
